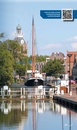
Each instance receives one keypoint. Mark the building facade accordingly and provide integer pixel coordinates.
(71, 64)
(20, 39)
(39, 66)
(57, 55)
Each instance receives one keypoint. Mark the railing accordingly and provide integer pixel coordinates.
(26, 93)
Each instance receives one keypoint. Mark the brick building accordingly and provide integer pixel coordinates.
(57, 55)
(71, 64)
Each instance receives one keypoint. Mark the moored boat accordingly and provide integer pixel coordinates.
(34, 81)
(36, 78)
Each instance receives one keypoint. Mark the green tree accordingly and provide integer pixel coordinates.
(14, 48)
(6, 67)
(22, 65)
(20, 69)
(40, 58)
(1, 35)
(21, 61)
(54, 68)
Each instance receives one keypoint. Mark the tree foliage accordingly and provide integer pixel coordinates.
(1, 35)
(22, 65)
(54, 67)
(14, 48)
(20, 69)
(12, 60)
(19, 58)
(40, 58)
(6, 67)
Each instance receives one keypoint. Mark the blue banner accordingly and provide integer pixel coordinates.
(50, 14)
(75, 14)
(65, 14)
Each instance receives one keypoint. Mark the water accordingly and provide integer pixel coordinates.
(40, 115)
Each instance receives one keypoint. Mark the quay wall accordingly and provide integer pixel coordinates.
(66, 101)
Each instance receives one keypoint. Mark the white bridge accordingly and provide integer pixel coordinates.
(22, 92)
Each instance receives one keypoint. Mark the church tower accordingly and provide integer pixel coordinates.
(20, 39)
(19, 31)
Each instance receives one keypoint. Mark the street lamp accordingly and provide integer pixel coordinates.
(69, 55)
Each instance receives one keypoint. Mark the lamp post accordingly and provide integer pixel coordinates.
(69, 55)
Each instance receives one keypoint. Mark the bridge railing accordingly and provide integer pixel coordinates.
(26, 93)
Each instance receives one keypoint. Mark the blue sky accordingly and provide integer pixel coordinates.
(52, 35)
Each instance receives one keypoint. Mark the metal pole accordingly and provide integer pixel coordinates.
(69, 76)
(69, 55)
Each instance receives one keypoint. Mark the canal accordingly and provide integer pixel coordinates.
(36, 115)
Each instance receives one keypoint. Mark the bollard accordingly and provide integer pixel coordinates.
(62, 92)
(70, 93)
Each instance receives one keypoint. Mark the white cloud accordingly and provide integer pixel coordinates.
(74, 46)
(72, 43)
(75, 38)
(52, 46)
(69, 44)
(72, 39)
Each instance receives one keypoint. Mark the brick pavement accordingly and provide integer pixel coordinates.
(70, 96)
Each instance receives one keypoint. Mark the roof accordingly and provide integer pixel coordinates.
(18, 27)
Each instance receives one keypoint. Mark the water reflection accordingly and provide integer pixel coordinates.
(36, 115)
